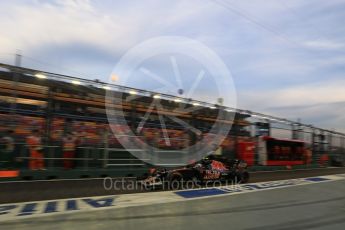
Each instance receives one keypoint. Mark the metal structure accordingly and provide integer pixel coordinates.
(320, 140)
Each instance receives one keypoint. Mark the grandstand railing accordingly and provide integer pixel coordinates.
(99, 157)
(87, 157)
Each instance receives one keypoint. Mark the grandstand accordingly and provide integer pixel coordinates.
(57, 104)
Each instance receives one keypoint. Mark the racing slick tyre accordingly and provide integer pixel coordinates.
(176, 183)
(243, 178)
(192, 183)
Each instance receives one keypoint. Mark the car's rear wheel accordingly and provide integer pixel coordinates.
(193, 182)
(176, 183)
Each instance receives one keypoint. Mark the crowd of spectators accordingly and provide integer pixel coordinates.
(30, 133)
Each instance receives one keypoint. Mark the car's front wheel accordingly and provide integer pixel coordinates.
(242, 178)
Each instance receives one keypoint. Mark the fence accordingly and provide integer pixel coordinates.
(55, 105)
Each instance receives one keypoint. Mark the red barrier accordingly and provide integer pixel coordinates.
(277, 163)
(245, 151)
(9, 173)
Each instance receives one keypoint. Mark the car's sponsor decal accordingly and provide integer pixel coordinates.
(212, 175)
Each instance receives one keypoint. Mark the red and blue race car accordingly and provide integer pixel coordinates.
(210, 169)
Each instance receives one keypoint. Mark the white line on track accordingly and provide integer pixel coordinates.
(18, 211)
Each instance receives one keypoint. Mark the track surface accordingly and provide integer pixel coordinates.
(314, 206)
(11, 192)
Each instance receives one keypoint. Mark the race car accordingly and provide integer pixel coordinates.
(210, 169)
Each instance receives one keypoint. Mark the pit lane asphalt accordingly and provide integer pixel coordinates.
(12, 192)
(313, 206)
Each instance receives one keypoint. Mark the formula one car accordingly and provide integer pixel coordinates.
(210, 169)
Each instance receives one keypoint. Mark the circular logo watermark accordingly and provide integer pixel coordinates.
(169, 125)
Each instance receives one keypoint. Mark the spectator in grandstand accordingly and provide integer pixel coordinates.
(34, 144)
(185, 142)
(2, 156)
(7, 150)
(69, 145)
(307, 155)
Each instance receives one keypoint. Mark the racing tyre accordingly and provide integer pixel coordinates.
(244, 178)
(241, 178)
(193, 183)
(176, 183)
